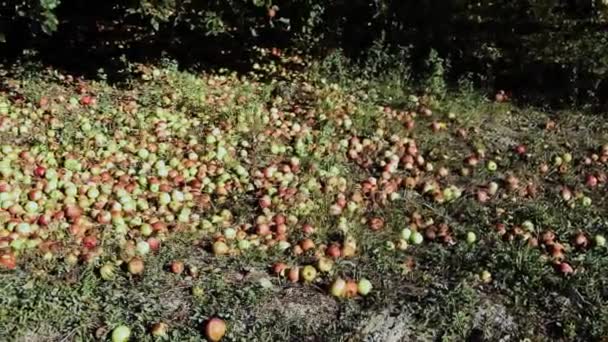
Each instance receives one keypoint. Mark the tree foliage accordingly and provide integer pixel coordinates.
(560, 42)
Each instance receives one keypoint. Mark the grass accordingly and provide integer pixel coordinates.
(431, 291)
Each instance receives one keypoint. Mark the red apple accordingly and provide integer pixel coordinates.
(591, 181)
(89, 242)
(39, 171)
(307, 244)
(521, 149)
(351, 289)
(8, 260)
(87, 100)
(333, 251)
(564, 268)
(279, 268)
(294, 274)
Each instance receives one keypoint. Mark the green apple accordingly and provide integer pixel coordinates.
(121, 333)
(416, 238)
(364, 287)
(492, 166)
(471, 238)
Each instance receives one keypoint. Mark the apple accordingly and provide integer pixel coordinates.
(193, 271)
(416, 238)
(500, 97)
(586, 201)
(143, 248)
(521, 149)
(406, 233)
(364, 287)
(581, 240)
(376, 223)
(492, 166)
(309, 273)
(566, 194)
(87, 100)
(308, 229)
(485, 276)
(279, 268)
(591, 181)
(39, 171)
(492, 188)
(351, 289)
(220, 248)
(338, 287)
(121, 333)
(177, 267)
(294, 274)
(325, 264)
(558, 161)
(243, 244)
(333, 251)
(307, 244)
(107, 271)
(8, 260)
(159, 330)
(600, 241)
(349, 250)
(198, 291)
(471, 238)
(389, 245)
(215, 329)
(136, 266)
(564, 268)
(528, 225)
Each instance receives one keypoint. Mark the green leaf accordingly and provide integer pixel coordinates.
(154, 23)
(49, 4)
(2, 37)
(50, 23)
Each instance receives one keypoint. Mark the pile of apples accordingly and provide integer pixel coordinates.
(83, 173)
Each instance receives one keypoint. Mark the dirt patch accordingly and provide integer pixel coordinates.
(300, 304)
(176, 304)
(493, 322)
(388, 327)
(44, 333)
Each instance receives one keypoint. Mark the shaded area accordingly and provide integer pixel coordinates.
(545, 53)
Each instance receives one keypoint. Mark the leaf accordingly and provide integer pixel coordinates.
(49, 4)
(154, 23)
(2, 37)
(50, 23)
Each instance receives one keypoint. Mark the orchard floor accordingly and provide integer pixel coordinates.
(472, 219)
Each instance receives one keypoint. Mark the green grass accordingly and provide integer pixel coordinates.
(433, 289)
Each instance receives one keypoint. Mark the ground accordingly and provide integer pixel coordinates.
(473, 219)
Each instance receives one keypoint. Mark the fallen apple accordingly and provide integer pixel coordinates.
(309, 273)
(338, 287)
(471, 238)
(121, 333)
(136, 266)
(600, 241)
(215, 329)
(416, 238)
(159, 330)
(492, 166)
(364, 287)
(177, 267)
